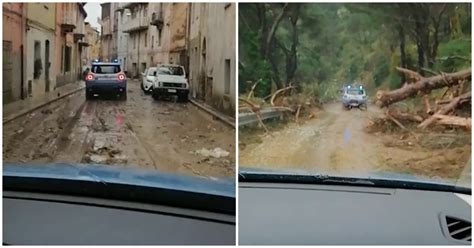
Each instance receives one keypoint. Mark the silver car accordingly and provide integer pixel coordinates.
(354, 97)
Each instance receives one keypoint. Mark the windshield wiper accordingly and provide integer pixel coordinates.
(321, 179)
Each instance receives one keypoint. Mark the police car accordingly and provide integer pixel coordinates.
(106, 78)
(354, 97)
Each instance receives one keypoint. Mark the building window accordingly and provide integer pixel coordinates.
(159, 37)
(152, 41)
(67, 59)
(37, 66)
(227, 77)
(146, 38)
(134, 41)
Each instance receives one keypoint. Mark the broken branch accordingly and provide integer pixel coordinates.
(445, 109)
(279, 92)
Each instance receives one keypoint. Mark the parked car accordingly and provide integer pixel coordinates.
(354, 97)
(171, 80)
(148, 77)
(106, 77)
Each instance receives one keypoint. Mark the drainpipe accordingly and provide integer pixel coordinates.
(188, 34)
(22, 52)
(138, 52)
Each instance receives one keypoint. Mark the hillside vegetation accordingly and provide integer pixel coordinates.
(319, 47)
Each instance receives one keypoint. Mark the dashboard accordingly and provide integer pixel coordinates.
(44, 219)
(306, 214)
(74, 204)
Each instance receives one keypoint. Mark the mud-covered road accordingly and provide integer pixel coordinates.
(337, 142)
(140, 132)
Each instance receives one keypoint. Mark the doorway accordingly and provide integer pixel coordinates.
(46, 66)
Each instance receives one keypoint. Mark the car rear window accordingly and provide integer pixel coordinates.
(106, 69)
(355, 92)
(171, 70)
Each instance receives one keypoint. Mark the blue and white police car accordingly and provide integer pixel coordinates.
(106, 78)
(354, 96)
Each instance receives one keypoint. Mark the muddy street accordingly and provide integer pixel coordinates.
(140, 132)
(337, 142)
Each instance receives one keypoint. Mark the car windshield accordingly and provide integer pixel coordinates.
(293, 119)
(151, 71)
(171, 70)
(105, 69)
(112, 116)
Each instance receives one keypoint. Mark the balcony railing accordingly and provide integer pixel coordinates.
(136, 24)
(157, 19)
(68, 23)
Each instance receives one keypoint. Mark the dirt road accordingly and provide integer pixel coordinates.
(337, 142)
(140, 132)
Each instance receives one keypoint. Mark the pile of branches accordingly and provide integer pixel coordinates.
(442, 111)
(286, 100)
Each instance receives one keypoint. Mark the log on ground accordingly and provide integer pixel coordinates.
(425, 84)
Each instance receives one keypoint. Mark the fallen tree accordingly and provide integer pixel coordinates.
(422, 85)
(453, 120)
(404, 116)
(445, 109)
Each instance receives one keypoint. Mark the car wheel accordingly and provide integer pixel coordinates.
(183, 98)
(89, 95)
(123, 96)
(155, 95)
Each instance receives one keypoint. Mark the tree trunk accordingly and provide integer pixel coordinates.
(445, 109)
(403, 58)
(405, 116)
(271, 33)
(425, 84)
(291, 62)
(453, 120)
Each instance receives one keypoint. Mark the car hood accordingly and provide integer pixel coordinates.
(119, 175)
(388, 176)
(171, 79)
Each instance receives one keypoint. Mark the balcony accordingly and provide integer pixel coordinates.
(157, 19)
(78, 36)
(68, 22)
(131, 5)
(139, 23)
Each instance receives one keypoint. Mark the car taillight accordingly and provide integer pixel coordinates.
(89, 77)
(121, 77)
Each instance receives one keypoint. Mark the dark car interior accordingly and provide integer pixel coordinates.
(56, 212)
(273, 213)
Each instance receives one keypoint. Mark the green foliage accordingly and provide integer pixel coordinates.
(447, 54)
(381, 70)
(394, 81)
(339, 43)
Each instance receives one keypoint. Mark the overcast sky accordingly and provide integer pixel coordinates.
(93, 12)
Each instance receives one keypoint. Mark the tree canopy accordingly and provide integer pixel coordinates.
(323, 45)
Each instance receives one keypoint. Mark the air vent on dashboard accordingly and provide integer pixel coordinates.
(459, 229)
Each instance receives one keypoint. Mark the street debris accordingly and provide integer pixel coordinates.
(215, 153)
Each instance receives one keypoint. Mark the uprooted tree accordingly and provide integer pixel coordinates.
(422, 86)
